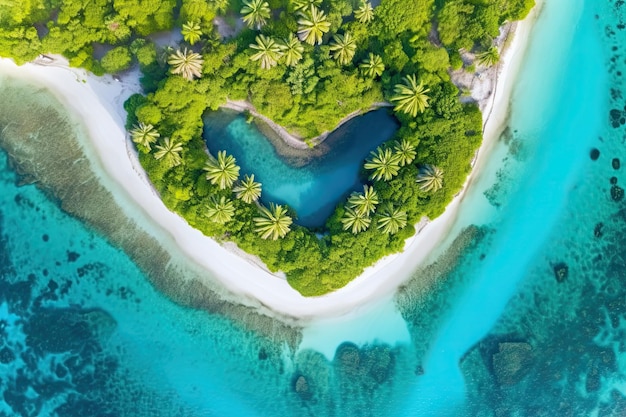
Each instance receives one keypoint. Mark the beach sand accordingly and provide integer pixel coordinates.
(97, 101)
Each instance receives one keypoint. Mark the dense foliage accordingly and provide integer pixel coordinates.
(304, 64)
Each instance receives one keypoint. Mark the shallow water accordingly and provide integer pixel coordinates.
(312, 182)
(83, 332)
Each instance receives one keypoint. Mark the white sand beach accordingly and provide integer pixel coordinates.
(97, 102)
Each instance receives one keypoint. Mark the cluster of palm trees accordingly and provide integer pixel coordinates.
(273, 222)
(313, 24)
(385, 164)
(360, 208)
(168, 150)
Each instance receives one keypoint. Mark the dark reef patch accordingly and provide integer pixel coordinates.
(72, 256)
(615, 163)
(561, 272)
(617, 193)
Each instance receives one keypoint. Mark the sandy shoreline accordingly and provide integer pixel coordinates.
(97, 101)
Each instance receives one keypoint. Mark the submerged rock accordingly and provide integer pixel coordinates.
(301, 387)
(512, 362)
(561, 272)
(613, 180)
(594, 154)
(597, 231)
(615, 163)
(617, 193)
(618, 118)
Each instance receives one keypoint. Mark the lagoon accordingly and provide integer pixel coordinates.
(312, 182)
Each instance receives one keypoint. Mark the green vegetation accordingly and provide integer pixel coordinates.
(272, 223)
(255, 13)
(222, 171)
(410, 97)
(312, 26)
(365, 12)
(220, 211)
(373, 65)
(269, 51)
(385, 164)
(116, 60)
(391, 220)
(343, 48)
(430, 178)
(169, 152)
(248, 190)
(144, 135)
(364, 203)
(355, 221)
(489, 57)
(187, 64)
(191, 32)
(305, 64)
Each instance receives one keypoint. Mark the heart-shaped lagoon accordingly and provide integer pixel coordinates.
(310, 181)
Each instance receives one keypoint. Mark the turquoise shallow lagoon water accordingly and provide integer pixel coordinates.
(310, 182)
(83, 333)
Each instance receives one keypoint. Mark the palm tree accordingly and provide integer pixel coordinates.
(220, 211)
(273, 222)
(248, 190)
(431, 178)
(384, 163)
(222, 171)
(187, 64)
(255, 13)
(343, 48)
(312, 25)
(169, 151)
(305, 4)
(365, 12)
(410, 97)
(364, 203)
(269, 51)
(355, 221)
(405, 151)
(489, 57)
(373, 65)
(191, 32)
(292, 50)
(144, 135)
(391, 220)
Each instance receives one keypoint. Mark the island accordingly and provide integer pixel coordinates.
(301, 71)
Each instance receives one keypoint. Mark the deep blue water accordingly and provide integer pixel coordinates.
(310, 183)
(84, 333)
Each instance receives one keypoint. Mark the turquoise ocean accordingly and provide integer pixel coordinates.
(525, 316)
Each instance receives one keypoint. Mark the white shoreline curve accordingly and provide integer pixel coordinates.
(97, 102)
